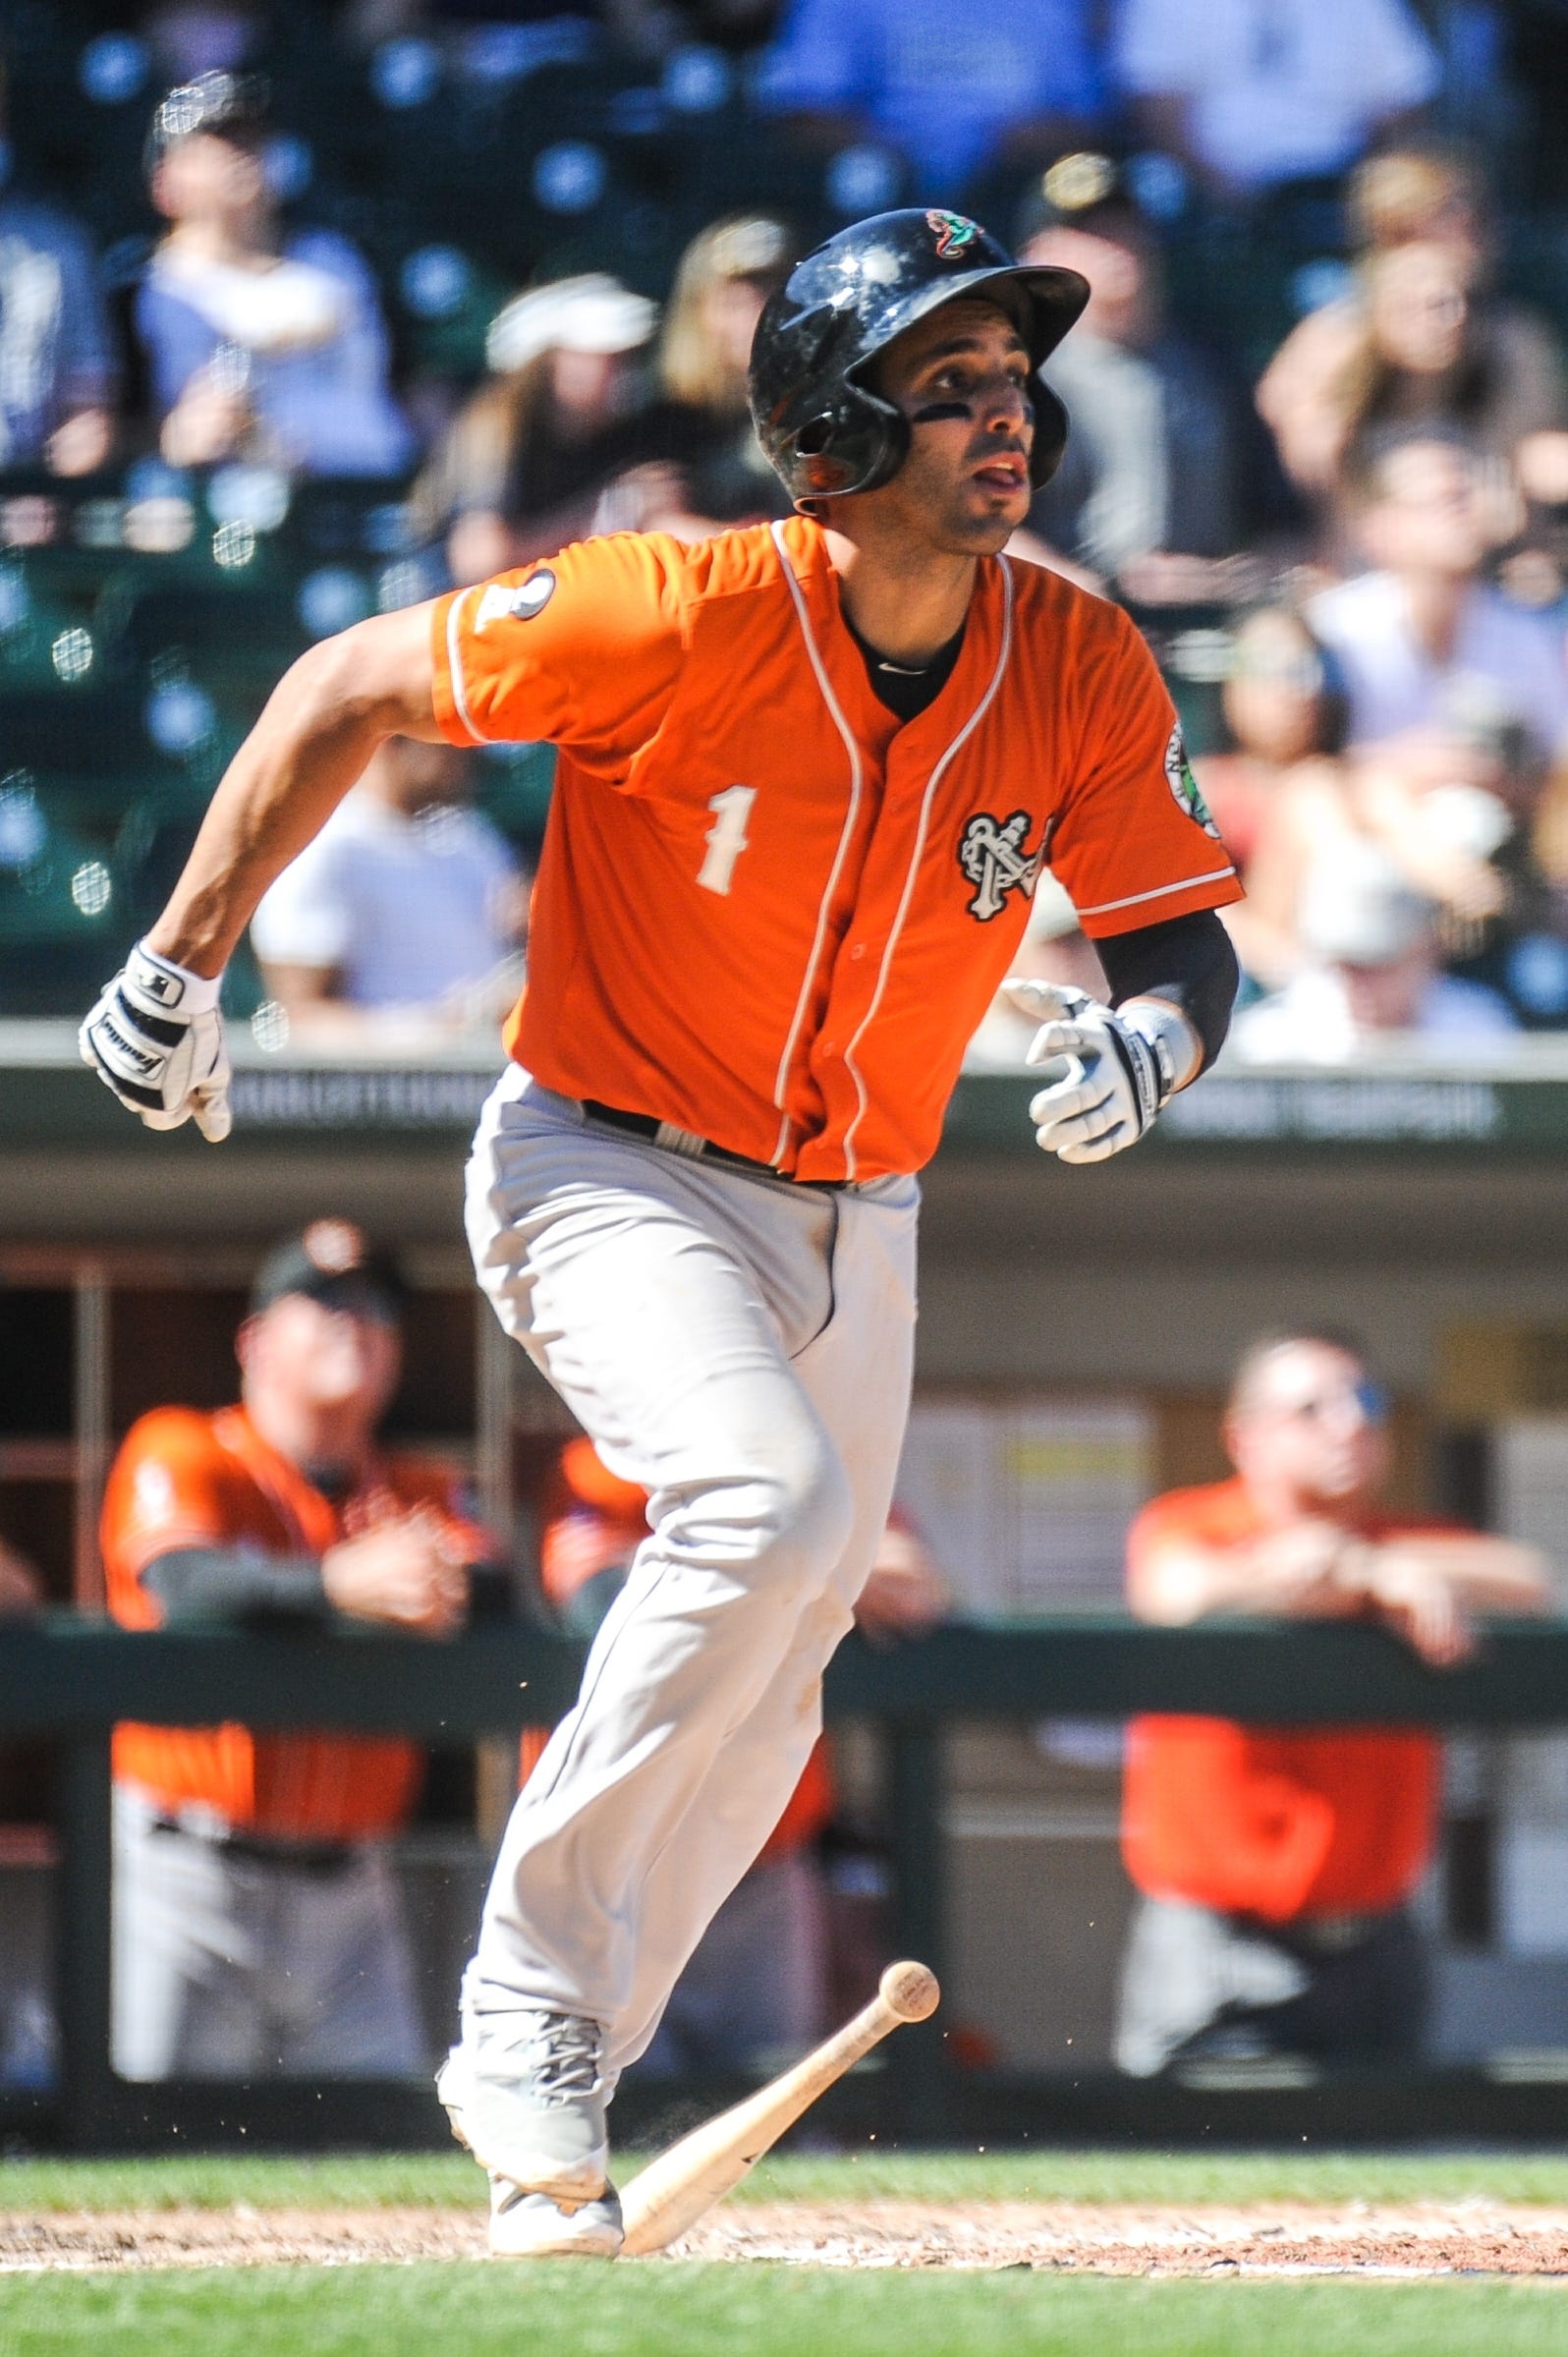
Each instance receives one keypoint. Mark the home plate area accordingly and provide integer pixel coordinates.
(1478, 2237)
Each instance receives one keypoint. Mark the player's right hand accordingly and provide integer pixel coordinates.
(1414, 1599)
(403, 1572)
(155, 1037)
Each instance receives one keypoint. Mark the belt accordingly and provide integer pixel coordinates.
(1319, 1935)
(683, 1142)
(310, 1857)
(1333, 1934)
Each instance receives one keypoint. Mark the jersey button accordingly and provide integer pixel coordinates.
(859, 950)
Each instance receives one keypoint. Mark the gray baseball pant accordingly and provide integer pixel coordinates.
(740, 1348)
(229, 1966)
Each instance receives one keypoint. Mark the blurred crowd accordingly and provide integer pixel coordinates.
(1320, 446)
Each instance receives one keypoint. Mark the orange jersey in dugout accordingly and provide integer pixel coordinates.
(1278, 1823)
(766, 910)
(186, 1479)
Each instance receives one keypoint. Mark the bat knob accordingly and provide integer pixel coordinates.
(910, 1990)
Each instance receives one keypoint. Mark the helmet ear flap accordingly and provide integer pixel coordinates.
(890, 429)
(814, 443)
(853, 447)
(1050, 431)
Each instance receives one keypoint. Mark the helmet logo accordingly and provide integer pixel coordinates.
(953, 233)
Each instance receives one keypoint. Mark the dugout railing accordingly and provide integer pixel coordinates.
(69, 1681)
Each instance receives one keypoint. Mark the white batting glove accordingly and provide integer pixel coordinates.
(155, 1037)
(1124, 1064)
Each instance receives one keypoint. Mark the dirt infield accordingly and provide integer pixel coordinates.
(1478, 2237)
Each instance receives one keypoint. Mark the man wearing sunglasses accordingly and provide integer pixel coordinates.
(1276, 1864)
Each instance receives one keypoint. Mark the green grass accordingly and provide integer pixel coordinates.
(440, 2180)
(1166, 2177)
(474, 2310)
(761, 2311)
(336, 2181)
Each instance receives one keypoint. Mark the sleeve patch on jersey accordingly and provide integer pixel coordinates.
(516, 601)
(1184, 787)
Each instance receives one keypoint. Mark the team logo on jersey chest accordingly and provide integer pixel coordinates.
(1185, 790)
(993, 856)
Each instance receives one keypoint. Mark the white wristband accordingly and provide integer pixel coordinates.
(1170, 1034)
(184, 993)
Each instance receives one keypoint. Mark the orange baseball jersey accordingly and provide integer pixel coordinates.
(1275, 1823)
(186, 1479)
(596, 1521)
(766, 911)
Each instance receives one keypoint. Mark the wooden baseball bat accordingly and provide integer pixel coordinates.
(674, 2190)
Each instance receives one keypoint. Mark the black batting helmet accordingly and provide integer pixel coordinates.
(824, 429)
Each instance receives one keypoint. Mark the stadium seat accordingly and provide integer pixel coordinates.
(60, 927)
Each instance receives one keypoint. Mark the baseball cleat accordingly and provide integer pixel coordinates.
(529, 2226)
(526, 2094)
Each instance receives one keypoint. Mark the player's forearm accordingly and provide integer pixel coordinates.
(290, 775)
(1504, 1576)
(1289, 1571)
(1481, 1573)
(1183, 970)
(321, 724)
(203, 1582)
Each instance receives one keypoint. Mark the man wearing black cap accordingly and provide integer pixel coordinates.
(256, 1921)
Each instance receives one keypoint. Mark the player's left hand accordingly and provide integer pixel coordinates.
(1117, 1079)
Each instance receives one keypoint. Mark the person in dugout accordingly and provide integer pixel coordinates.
(753, 1993)
(1276, 1865)
(257, 1926)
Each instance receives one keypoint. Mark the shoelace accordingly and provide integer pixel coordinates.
(561, 2054)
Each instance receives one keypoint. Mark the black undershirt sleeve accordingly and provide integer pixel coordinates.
(205, 1583)
(230, 1582)
(1189, 962)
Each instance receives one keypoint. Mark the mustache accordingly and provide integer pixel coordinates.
(986, 447)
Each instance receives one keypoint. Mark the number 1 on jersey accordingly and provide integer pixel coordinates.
(726, 837)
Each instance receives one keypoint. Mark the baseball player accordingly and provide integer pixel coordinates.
(256, 1923)
(809, 776)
